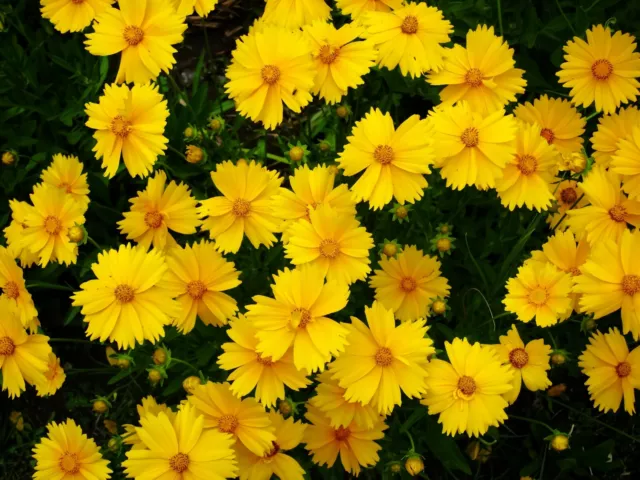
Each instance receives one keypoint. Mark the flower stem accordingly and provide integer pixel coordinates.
(70, 340)
(531, 420)
(413, 447)
(177, 152)
(565, 17)
(500, 17)
(50, 286)
(177, 360)
(94, 243)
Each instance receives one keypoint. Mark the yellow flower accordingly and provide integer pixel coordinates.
(383, 359)
(472, 149)
(309, 189)
(358, 8)
(148, 406)
(330, 400)
(355, 444)
(180, 448)
(187, 7)
(609, 211)
(529, 362)
(481, 74)
(271, 66)
(144, 31)
(467, 391)
(527, 178)
(560, 123)
(129, 301)
(158, 209)
(65, 173)
(72, 15)
(53, 378)
(275, 462)
(12, 288)
(252, 370)
(66, 453)
(13, 234)
(567, 194)
(541, 291)
(613, 371)
(48, 223)
(197, 276)
(245, 419)
(335, 243)
(410, 36)
(626, 162)
(602, 69)
(129, 123)
(409, 283)
(610, 281)
(293, 14)
(244, 207)
(394, 161)
(341, 62)
(611, 129)
(296, 317)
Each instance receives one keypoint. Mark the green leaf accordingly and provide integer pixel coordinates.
(444, 448)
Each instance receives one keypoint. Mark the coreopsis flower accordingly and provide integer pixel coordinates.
(309, 189)
(471, 148)
(358, 8)
(129, 301)
(271, 66)
(568, 195)
(144, 31)
(158, 210)
(72, 15)
(198, 275)
(467, 391)
(540, 291)
(252, 370)
(383, 360)
(356, 444)
(275, 462)
(483, 73)
(394, 161)
(148, 406)
(613, 371)
(335, 243)
(530, 363)
(129, 124)
(330, 400)
(293, 14)
(244, 419)
(611, 129)
(297, 317)
(48, 223)
(410, 36)
(610, 281)
(187, 7)
(560, 123)
(626, 162)
(340, 60)
(23, 357)
(244, 207)
(527, 179)
(66, 453)
(54, 377)
(14, 231)
(604, 69)
(180, 448)
(65, 172)
(609, 211)
(13, 288)
(408, 283)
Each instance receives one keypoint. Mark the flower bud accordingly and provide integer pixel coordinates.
(111, 426)
(560, 442)
(557, 390)
(154, 376)
(402, 212)
(113, 445)
(194, 154)
(77, 234)
(414, 465)
(100, 406)
(123, 363)
(17, 419)
(342, 111)
(558, 358)
(395, 467)
(190, 383)
(159, 356)
(296, 154)
(285, 407)
(443, 245)
(439, 307)
(113, 361)
(215, 124)
(390, 249)
(8, 158)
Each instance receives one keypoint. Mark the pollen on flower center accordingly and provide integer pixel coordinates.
(328, 54)
(342, 433)
(266, 361)
(618, 213)
(470, 137)
(270, 74)
(120, 126)
(631, 284)
(384, 357)
(65, 186)
(7, 347)
(241, 208)
(575, 271)
(518, 357)
(383, 154)
(329, 248)
(527, 164)
(52, 225)
(548, 135)
(408, 284)
(77, 2)
(466, 385)
(409, 24)
(569, 196)
(473, 77)
(133, 35)
(273, 452)
(11, 290)
(538, 296)
(602, 69)
(179, 462)
(153, 219)
(302, 317)
(69, 463)
(623, 369)
(124, 293)
(196, 289)
(228, 423)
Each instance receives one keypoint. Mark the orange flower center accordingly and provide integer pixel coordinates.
(342, 433)
(11, 290)
(270, 74)
(153, 219)
(623, 369)
(575, 271)
(305, 316)
(518, 357)
(328, 54)
(266, 361)
(124, 293)
(466, 385)
(77, 2)
(196, 289)
(618, 213)
(228, 423)
(548, 135)
(473, 77)
(408, 284)
(601, 69)
(273, 452)
(133, 35)
(470, 137)
(569, 195)
(241, 208)
(65, 186)
(7, 347)
(631, 284)
(527, 164)
(120, 126)
(52, 225)
(383, 154)
(409, 24)
(329, 248)
(384, 357)
(538, 296)
(179, 462)
(69, 463)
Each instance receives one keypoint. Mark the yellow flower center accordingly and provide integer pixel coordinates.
(342, 433)
(473, 77)
(153, 219)
(266, 361)
(568, 196)
(631, 284)
(409, 25)
(618, 213)
(11, 290)
(408, 284)
(384, 357)
(538, 296)
(518, 357)
(329, 248)
(301, 317)
(133, 35)
(270, 74)
(228, 423)
(470, 137)
(623, 369)
(120, 126)
(383, 154)
(52, 225)
(241, 208)
(328, 54)
(7, 347)
(548, 135)
(466, 386)
(196, 289)
(601, 69)
(527, 164)
(179, 462)
(124, 293)
(69, 463)
(65, 186)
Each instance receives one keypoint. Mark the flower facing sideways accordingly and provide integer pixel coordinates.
(147, 406)
(72, 15)
(611, 129)
(14, 290)
(626, 162)
(358, 8)
(13, 234)
(65, 173)
(53, 378)
(568, 195)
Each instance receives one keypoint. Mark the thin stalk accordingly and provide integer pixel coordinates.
(532, 420)
(177, 360)
(94, 243)
(50, 286)
(70, 340)
(177, 152)
(573, 30)
(500, 17)
(180, 94)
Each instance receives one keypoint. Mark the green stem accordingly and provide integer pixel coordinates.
(74, 371)
(594, 114)
(177, 152)
(531, 420)
(177, 360)
(500, 17)
(413, 447)
(70, 340)
(50, 286)
(565, 213)
(565, 17)
(180, 95)
(94, 243)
